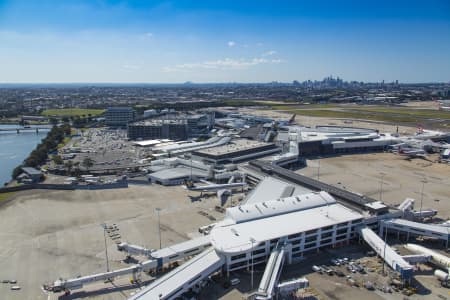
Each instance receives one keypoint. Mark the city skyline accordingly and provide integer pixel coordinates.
(254, 41)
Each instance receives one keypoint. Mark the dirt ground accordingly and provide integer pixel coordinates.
(362, 173)
(46, 235)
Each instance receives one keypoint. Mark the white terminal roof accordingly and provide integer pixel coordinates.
(236, 238)
(253, 211)
(234, 146)
(271, 188)
(150, 142)
(177, 172)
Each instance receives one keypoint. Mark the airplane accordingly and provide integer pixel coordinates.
(214, 187)
(444, 105)
(412, 152)
(291, 121)
(396, 147)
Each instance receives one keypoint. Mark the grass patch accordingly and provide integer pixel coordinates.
(424, 113)
(6, 196)
(379, 113)
(358, 115)
(64, 142)
(301, 106)
(72, 112)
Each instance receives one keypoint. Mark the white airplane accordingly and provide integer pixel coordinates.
(397, 147)
(412, 152)
(214, 187)
(444, 105)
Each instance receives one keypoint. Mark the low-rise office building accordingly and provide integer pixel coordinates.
(158, 129)
(119, 116)
(171, 126)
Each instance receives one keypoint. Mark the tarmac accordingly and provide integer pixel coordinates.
(51, 234)
(388, 177)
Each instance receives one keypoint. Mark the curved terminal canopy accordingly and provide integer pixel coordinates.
(254, 211)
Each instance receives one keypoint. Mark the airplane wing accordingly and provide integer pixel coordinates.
(205, 181)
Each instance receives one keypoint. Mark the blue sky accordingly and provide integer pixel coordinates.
(223, 41)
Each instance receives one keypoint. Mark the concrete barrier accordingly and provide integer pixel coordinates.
(70, 187)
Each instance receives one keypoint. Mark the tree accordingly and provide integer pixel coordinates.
(57, 159)
(17, 171)
(53, 121)
(69, 166)
(87, 163)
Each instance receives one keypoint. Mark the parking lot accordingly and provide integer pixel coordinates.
(107, 148)
(344, 282)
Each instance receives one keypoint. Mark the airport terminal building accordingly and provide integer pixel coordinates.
(303, 224)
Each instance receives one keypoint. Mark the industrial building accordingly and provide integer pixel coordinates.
(119, 116)
(236, 151)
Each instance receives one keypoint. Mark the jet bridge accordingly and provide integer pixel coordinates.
(394, 260)
(415, 228)
(157, 259)
(271, 274)
(181, 279)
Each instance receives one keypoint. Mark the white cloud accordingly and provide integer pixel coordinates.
(269, 53)
(146, 36)
(223, 64)
(231, 44)
(131, 67)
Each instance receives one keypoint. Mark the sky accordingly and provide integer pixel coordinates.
(93, 41)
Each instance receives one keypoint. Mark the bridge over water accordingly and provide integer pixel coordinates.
(19, 129)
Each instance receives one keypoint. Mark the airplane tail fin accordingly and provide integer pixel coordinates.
(292, 119)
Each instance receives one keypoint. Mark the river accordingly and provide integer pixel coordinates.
(14, 148)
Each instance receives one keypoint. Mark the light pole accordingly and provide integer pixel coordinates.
(381, 186)
(318, 169)
(159, 226)
(421, 196)
(252, 240)
(103, 225)
(384, 250)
